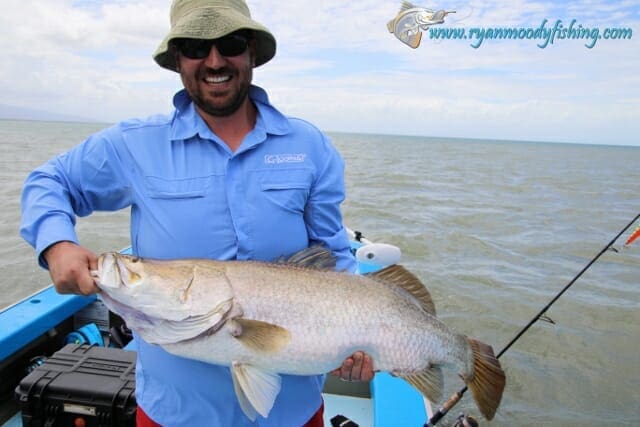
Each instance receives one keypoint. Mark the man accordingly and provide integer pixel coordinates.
(225, 176)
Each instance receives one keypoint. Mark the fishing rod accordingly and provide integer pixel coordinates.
(455, 398)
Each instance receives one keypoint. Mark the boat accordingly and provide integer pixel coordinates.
(39, 326)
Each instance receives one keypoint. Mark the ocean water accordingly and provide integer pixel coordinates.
(494, 228)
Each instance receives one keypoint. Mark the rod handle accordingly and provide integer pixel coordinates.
(446, 406)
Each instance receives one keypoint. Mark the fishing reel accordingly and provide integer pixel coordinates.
(464, 420)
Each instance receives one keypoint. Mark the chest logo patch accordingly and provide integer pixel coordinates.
(276, 159)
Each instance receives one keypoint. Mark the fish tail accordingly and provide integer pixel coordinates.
(487, 380)
(390, 26)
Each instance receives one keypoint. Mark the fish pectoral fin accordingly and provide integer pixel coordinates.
(429, 382)
(255, 388)
(261, 336)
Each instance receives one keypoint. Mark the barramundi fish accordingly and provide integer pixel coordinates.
(296, 316)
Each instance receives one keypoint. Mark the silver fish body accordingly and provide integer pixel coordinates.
(262, 319)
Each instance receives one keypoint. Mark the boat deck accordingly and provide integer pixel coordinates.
(357, 409)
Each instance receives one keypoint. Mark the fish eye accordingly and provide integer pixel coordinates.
(135, 259)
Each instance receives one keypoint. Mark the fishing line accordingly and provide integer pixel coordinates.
(455, 398)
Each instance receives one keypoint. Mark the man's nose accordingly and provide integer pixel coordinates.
(214, 59)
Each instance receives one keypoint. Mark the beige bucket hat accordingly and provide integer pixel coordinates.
(212, 19)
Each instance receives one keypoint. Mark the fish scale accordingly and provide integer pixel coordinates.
(345, 312)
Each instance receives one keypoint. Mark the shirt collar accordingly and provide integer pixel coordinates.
(187, 122)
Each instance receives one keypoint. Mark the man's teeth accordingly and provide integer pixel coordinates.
(217, 79)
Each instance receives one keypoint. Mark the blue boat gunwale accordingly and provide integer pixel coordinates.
(35, 315)
(32, 317)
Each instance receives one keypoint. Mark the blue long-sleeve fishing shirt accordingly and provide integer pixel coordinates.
(192, 197)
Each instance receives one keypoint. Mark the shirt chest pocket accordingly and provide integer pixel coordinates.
(288, 189)
(185, 188)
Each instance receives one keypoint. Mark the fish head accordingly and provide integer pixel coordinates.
(124, 283)
(153, 295)
(117, 270)
(423, 17)
(171, 289)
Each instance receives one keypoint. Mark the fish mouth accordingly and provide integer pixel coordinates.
(114, 271)
(125, 275)
(108, 275)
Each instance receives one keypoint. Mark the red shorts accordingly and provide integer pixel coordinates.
(143, 420)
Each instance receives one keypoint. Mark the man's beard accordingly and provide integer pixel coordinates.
(232, 105)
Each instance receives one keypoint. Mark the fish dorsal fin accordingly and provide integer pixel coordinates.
(260, 336)
(316, 257)
(399, 276)
(406, 6)
(255, 388)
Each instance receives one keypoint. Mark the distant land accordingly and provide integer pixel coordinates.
(20, 113)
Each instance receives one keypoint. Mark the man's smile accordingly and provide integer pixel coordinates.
(218, 79)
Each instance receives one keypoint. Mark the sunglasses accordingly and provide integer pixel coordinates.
(230, 45)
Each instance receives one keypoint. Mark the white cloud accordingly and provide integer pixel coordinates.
(91, 61)
(337, 65)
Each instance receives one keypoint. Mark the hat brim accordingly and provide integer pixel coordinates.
(212, 23)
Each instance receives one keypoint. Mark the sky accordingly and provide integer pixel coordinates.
(339, 67)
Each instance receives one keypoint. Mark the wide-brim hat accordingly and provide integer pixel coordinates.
(212, 19)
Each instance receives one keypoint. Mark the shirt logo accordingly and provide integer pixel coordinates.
(276, 159)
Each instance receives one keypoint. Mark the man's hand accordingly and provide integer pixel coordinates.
(70, 268)
(357, 367)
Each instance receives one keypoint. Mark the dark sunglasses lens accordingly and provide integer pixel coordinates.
(232, 45)
(194, 48)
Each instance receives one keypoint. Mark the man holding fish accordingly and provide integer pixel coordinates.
(225, 176)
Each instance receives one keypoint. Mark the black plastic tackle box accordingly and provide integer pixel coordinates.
(80, 385)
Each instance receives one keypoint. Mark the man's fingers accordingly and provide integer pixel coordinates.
(356, 370)
(358, 367)
(345, 369)
(88, 283)
(367, 369)
(87, 286)
(70, 268)
(93, 262)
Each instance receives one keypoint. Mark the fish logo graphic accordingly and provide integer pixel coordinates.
(407, 26)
